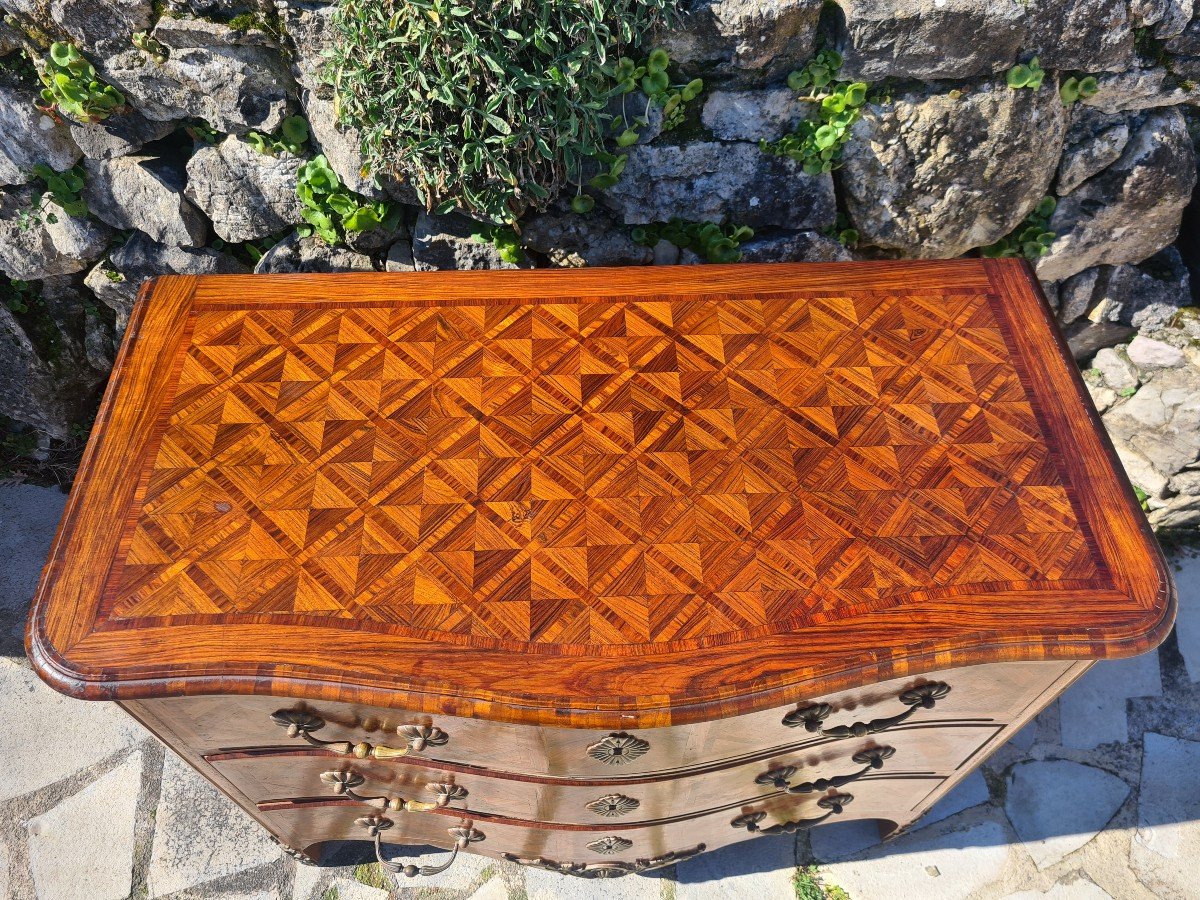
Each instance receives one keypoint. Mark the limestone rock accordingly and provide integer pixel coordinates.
(1165, 18)
(1118, 372)
(311, 254)
(10, 40)
(446, 242)
(1093, 141)
(400, 256)
(234, 80)
(801, 246)
(929, 39)
(307, 25)
(116, 283)
(46, 380)
(1147, 353)
(1149, 296)
(934, 176)
(1086, 338)
(1087, 35)
(42, 241)
(572, 240)
(715, 182)
(118, 135)
(28, 136)
(102, 26)
(761, 115)
(1057, 806)
(1161, 423)
(752, 41)
(247, 194)
(1130, 91)
(146, 193)
(1132, 209)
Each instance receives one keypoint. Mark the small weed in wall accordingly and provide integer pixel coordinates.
(1077, 87)
(1031, 239)
(291, 137)
(1026, 75)
(715, 243)
(817, 143)
(73, 89)
(331, 210)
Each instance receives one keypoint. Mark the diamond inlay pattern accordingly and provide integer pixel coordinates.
(621, 472)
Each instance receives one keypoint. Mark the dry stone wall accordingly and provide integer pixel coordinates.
(945, 159)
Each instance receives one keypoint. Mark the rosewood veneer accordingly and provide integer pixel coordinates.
(593, 570)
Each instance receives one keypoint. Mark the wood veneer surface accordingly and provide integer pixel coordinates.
(604, 498)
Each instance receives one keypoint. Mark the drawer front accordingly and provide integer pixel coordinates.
(309, 773)
(982, 694)
(633, 846)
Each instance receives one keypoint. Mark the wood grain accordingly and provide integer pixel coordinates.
(528, 496)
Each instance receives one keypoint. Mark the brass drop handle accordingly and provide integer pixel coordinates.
(463, 835)
(813, 717)
(868, 759)
(835, 803)
(344, 783)
(302, 724)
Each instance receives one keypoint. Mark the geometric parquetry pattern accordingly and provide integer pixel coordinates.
(596, 473)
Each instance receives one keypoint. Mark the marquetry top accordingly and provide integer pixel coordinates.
(671, 493)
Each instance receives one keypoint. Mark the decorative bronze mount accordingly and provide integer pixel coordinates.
(606, 869)
(344, 783)
(463, 835)
(618, 748)
(613, 806)
(813, 717)
(868, 759)
(835, 803)
(301, 724)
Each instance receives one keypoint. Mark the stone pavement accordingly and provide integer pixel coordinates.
(1098, 798)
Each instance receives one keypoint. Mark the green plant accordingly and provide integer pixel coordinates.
(62, 188)
(247, 251)
(504, 239)
(372, 875)
(1151, 48)
(18, 295)
(149, 45)
(806, 885)
(73, 88)
(291, 137)
(1026, 75)
(483, 106)
(1031, 239)
(817, 143)
(653, 77)
(199, 130)
(843, 231)
(1143, 498)
(716, 243)
(332, 210)
(1076, 88)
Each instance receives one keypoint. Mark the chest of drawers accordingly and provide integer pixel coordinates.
(593, 571)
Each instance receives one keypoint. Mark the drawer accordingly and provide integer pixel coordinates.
(995, 693)
(633, 846)
(311, 772)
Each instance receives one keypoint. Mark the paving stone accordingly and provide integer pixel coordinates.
(199, 834)
(760, 867)
(4, 877)
(1024, 739)
(1057, 806)
(1078, 889)
(28, 519)
(466, 872)
(67, 854)
(306, 885)
(841, 840)
(1093, 708)
(1166, 845)
(542, 885)
(356, 890)
(493, 889)
(927, 865)
(1187, 624)
(83, 733)
(971, 791)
